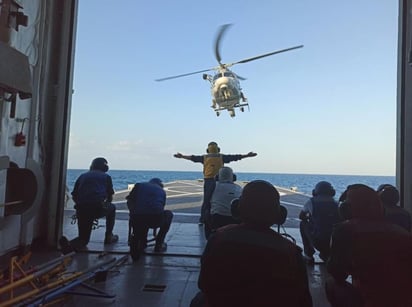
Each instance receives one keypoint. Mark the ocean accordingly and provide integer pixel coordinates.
(303, 183)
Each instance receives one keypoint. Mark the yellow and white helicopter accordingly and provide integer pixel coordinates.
(225, 85)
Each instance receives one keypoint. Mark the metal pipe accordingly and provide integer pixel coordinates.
(26, 279)
(16, 202)
(41, 266)
(54, 293)
(80, 280)
(37, 268)
(52, 285)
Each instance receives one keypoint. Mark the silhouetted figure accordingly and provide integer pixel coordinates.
(318, 216)
(389, 196)
(146, 202)
(375, 253)
(250, 264)
(212, 162)
(92, 195)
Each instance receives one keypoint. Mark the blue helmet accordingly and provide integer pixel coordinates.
(323, 188)
(388, 194)
(156, 181)
(99, 164)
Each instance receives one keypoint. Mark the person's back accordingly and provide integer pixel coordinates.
(389, 196)
(92, 194)
(376, 253)
(380, 254)
(91, 187)
(398, 216)
(250, 264)
(222, 197)
(146, 202)
(324, 216)
(146, 198)
(319, 215)
(225, 192)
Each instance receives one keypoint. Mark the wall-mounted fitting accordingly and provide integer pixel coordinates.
(10, 17)
(15, 76)
(20, 139)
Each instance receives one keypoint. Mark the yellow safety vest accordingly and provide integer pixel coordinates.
(212, 163)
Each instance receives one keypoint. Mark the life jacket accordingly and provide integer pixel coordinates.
(212, 164)
(325, 215)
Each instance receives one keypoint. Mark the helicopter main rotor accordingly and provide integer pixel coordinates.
(219, 36)
(221, 32)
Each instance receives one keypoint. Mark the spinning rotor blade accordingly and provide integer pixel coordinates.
(265, 55)
(219, 36)
(184, 75)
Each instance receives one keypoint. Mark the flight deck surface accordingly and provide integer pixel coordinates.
(173, 273)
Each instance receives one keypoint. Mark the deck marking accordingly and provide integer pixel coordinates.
(198, 214)
(291, 204)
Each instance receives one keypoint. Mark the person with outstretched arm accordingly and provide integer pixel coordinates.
(212, 162)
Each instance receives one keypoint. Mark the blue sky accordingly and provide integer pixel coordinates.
(328, 108)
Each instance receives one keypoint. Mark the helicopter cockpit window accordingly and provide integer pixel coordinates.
(228, 74)
(217, 76)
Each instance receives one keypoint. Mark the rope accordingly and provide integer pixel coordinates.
(95, 224)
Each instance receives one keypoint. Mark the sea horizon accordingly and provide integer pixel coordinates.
(303, 183)
(245, 172)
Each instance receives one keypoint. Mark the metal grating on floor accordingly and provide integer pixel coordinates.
(154, 288)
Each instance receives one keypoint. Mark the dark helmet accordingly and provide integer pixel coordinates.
(360, 201)
(323, 188)
(388, 194)
(259, 204)
(157, 181)
(99, 164)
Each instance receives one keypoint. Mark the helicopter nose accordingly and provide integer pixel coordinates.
(223, 89)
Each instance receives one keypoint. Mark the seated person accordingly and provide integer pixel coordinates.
(318, 216)
(92, 195)
(389, 196)
(223, 195)
(249, 264)
(146, 202)
(375, 253)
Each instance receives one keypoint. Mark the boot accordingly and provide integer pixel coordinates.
(160, 247)
(111, 238)
(65, 245)
(136, 247)
(309, 259)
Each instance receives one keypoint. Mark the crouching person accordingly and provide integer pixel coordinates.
(250, 264)
(318, 217)
(146, 202)
(92, 194)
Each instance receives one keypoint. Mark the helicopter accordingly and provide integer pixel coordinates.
(225, 84)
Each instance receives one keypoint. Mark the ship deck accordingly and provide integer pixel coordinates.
(170, 278)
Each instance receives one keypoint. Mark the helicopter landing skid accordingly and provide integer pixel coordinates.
(231, 110)
(238, 105)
